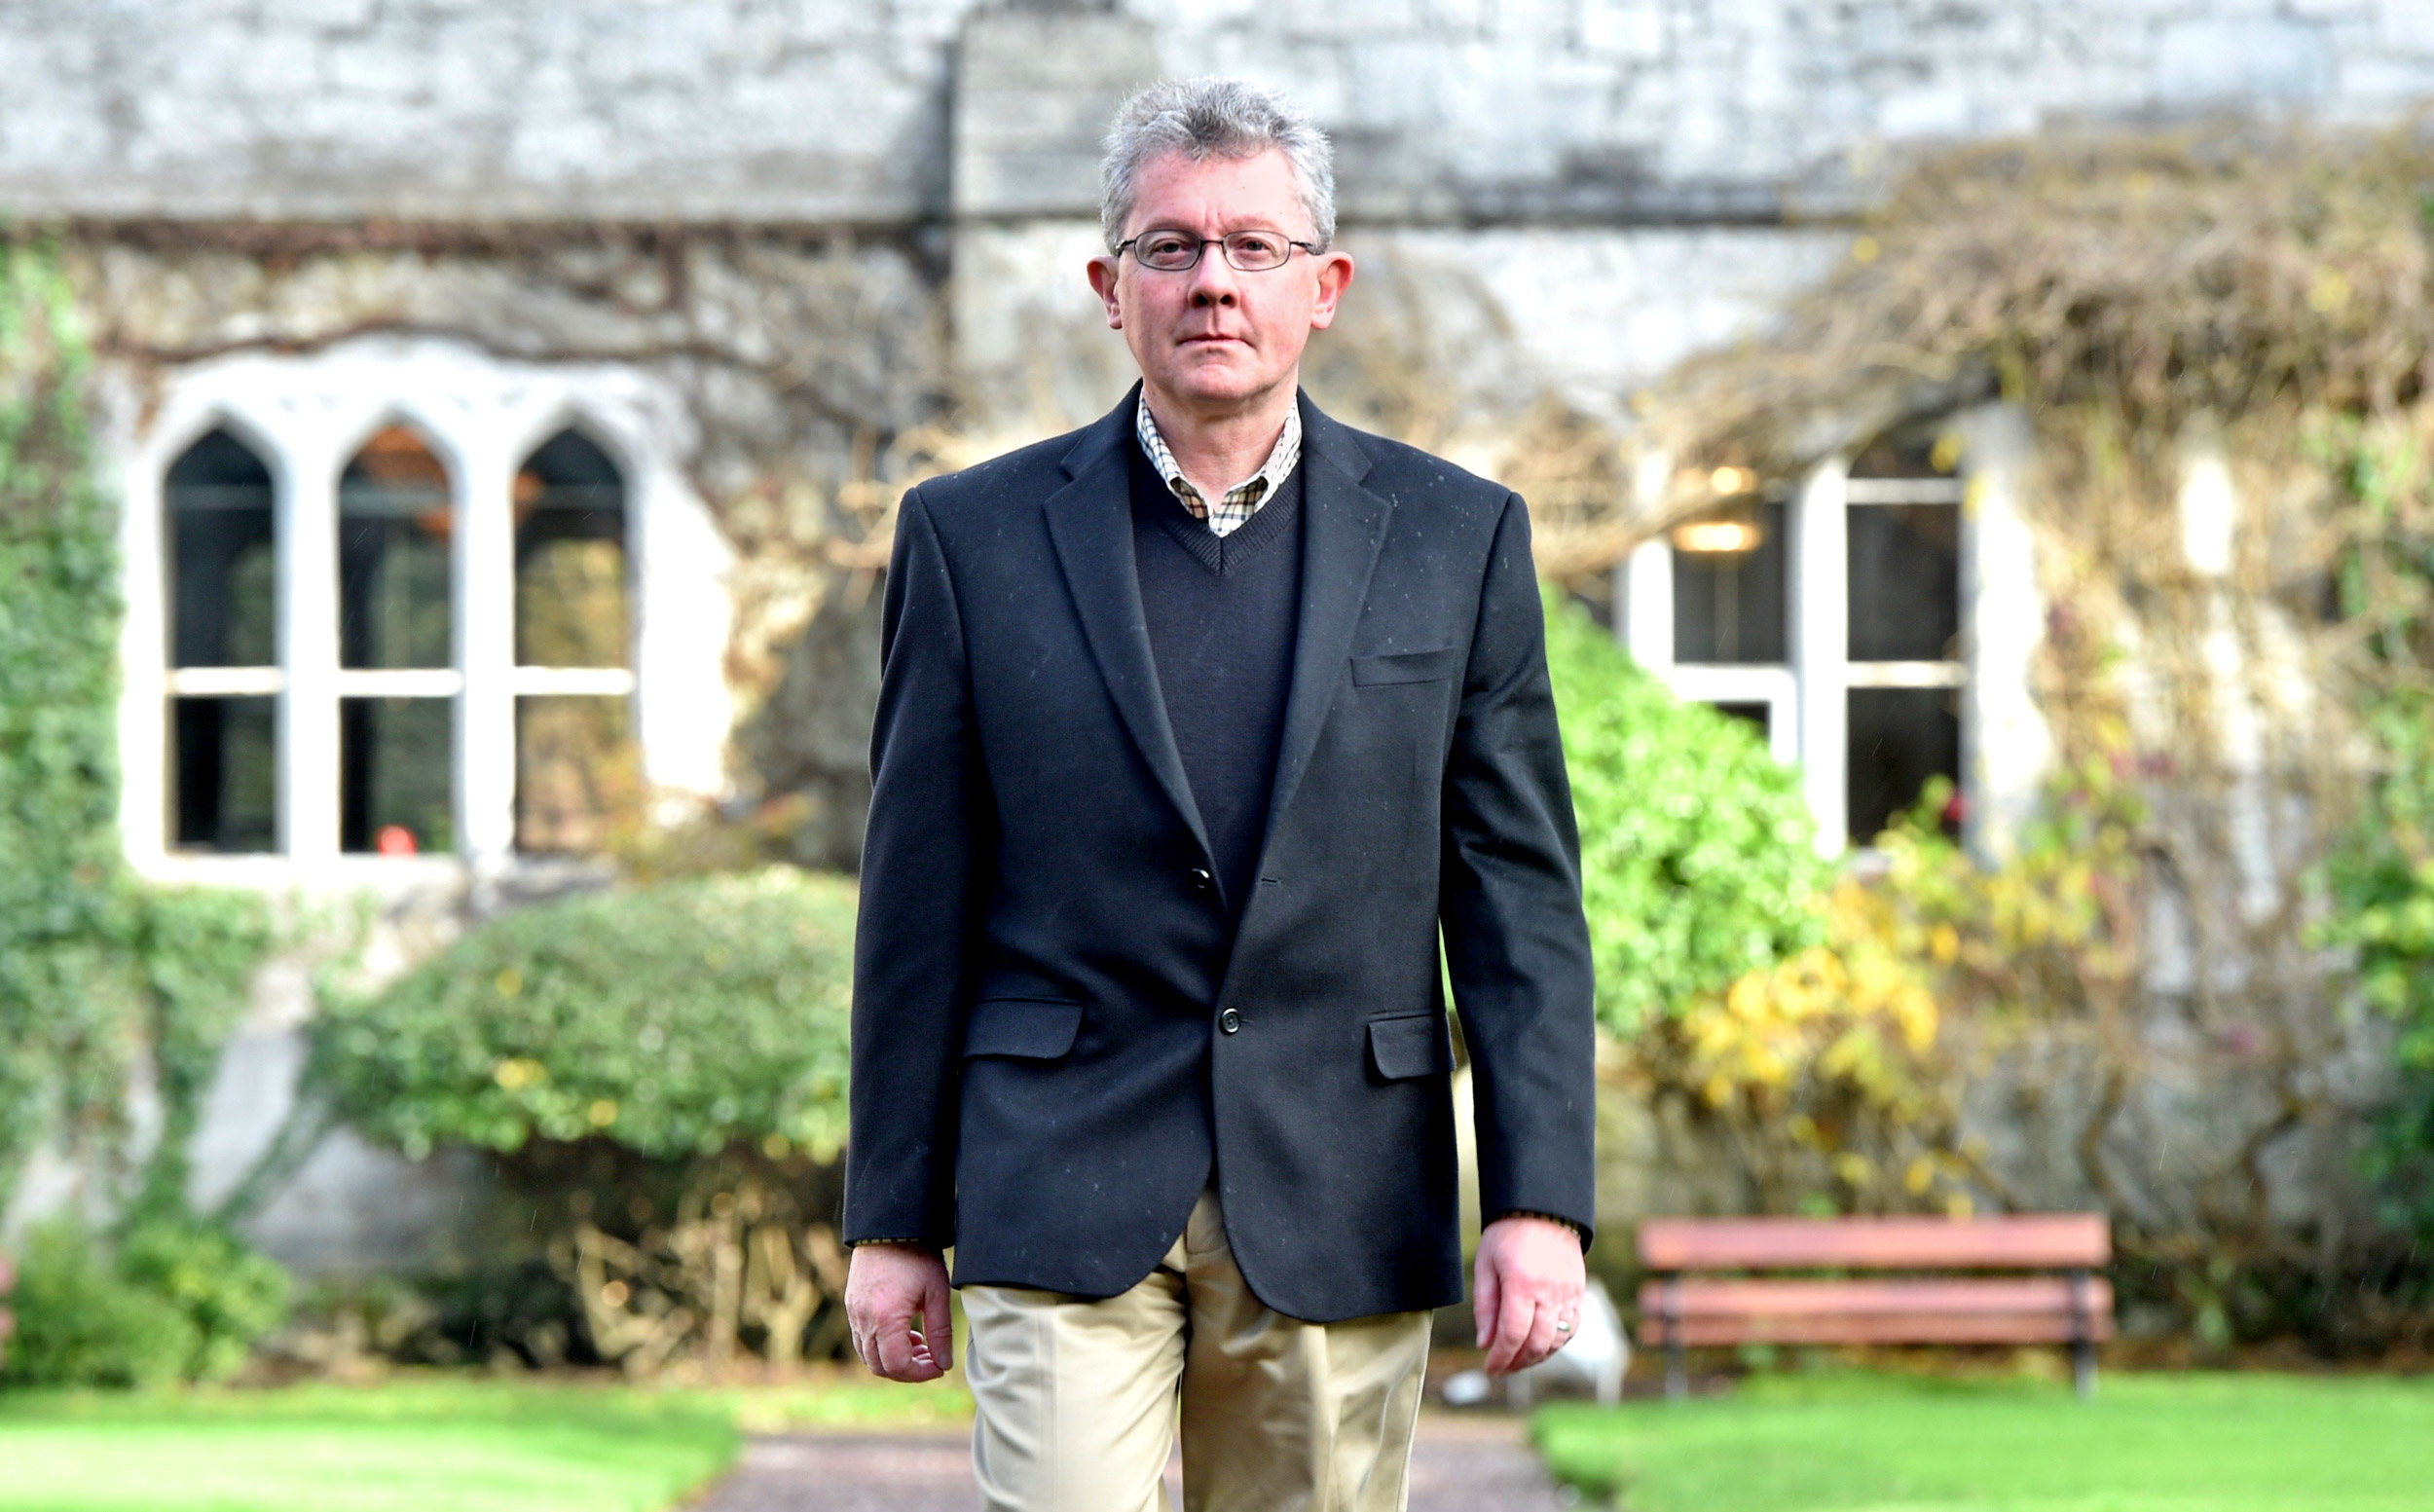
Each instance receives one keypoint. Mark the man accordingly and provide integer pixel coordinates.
(1197, 726)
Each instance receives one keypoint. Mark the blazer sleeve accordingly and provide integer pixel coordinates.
(1516, 940)
(924, 871)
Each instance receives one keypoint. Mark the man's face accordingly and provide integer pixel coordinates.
(1210, 337)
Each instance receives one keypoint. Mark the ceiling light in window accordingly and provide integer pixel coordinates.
(1732, 480)
(1717, 538)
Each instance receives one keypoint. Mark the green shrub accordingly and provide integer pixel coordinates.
(2380, 883)
(81, 1323)
(228, 1294)
(1697, 854)
(673, 1019)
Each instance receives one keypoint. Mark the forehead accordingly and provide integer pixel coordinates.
(1217, 194)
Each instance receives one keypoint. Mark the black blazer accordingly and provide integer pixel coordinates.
(1054, 1047)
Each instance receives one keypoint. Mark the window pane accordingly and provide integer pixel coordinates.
(1760, 715)
(1728, 604)
(224, 778)
(396, 766)
(576, 772)
(222, 557)
(395, 520)
(1900, 738)
(1906, 582)
(570, 571)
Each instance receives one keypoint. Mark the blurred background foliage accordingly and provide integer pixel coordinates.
(1697, 849)
(662, 1069)
(675, 1019)
(110, 988)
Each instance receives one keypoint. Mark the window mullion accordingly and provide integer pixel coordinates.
(1820, 643)
(306, 478)
(485, 639)
(1646, 622)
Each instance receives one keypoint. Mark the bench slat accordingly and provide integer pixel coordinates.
(1706, 1298)
(2030, 1243)
(1876, 1328)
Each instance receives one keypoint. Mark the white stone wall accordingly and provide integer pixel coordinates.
(1503, 316)
(830, 110)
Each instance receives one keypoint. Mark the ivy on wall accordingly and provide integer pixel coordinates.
(98, 972)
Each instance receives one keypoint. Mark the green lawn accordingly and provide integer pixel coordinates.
(2199, 1443)
(430, 1444)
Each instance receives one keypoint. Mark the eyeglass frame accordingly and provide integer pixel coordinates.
(1201, 249)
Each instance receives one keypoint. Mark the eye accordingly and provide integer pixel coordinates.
(1256, 247)
(1164, 249)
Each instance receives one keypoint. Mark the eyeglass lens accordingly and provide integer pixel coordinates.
(1247, 251)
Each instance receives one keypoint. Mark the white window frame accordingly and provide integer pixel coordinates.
(305, 417)
(2004, 746)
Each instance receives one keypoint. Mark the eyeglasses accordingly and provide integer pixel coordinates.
(1246, 251)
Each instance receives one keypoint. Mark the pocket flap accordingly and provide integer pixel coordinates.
(1027, 1028)
(1406, 666)
(1414, 1045)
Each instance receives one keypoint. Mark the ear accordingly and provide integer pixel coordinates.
(1335, 276)
(1103, 274)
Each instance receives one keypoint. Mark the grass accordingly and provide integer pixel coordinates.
(2199, 1443)
(417, 1445)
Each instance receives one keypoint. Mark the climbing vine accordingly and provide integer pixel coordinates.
(101, 976)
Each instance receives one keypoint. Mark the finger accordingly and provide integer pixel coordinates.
(1542, 1340)
(938, 1307)
(1512, 1330)
(1486, 1294)
(898, 1359)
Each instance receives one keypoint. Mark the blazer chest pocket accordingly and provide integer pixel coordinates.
(1022, 1028)
(1406, 667)
(1412, 1045)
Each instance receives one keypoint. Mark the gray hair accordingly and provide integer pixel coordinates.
(1213, 118)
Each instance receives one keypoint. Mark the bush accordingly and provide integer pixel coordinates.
(228, 1294)
(673, 1019)
(174, 1301)
(1698, 861)
(81, 1323)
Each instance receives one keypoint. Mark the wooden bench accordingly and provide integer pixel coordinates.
(1679, 1307)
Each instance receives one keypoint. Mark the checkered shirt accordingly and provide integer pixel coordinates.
(1242, 500)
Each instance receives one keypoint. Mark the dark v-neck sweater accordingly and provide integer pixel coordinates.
(1222, 613)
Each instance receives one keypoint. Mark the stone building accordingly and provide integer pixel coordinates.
(507, 398)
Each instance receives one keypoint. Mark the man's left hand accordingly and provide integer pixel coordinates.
(1525, 1291)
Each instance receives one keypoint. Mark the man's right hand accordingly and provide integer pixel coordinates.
(896, 1306)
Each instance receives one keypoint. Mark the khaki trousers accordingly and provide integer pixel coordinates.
(1077, 1400)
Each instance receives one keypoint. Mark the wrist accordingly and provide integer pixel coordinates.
(1533, 1214)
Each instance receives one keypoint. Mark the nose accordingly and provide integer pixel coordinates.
(1212, 281)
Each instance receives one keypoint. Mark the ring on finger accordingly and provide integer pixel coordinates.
(1563, 1325)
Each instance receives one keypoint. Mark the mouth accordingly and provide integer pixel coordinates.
(1214, 339)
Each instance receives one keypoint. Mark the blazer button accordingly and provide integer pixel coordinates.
(1230, 1022)
(1201, 881)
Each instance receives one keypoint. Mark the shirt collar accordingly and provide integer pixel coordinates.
(1238, 502)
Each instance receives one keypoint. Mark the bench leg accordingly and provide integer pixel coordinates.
(1677, 1367)
(2082, 1335)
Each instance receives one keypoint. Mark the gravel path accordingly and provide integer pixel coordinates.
(1462, 1464)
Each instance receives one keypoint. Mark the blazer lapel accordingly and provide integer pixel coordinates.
(1090, 522)
(1343, 524)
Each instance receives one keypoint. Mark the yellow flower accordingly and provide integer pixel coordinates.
(1943, 942)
